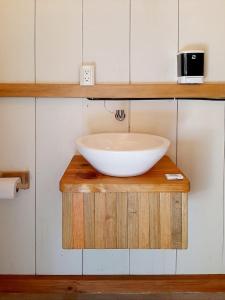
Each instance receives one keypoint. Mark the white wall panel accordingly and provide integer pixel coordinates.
(99, 116)
(154, 40)
(59, 122)
(17, 40)
(58, 40)
(156, 117)
(160, 118)
(202, 26)
(201, 157)
(106, 39)
(157, 262)
(17, 217)
(106, 262)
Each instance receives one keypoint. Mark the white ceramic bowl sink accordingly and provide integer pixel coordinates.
(122, 154)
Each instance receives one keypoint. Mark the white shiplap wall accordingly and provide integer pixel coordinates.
(130, 41)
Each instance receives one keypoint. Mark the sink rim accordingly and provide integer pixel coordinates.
(164, 142)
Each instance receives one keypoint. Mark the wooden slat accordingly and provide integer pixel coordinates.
(126, 91)
(100, 211)
(176, 220)
(165, 221)
(154, 222)
(184, 220)
(133, 217)
(67, 217)
(143, 220)
(78, 221)
(81, 177)
(111, 221)
(122, 220)
(89, 220)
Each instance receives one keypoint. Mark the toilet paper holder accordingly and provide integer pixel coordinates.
(23, 175)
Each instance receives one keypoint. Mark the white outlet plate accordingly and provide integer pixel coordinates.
(87, 75)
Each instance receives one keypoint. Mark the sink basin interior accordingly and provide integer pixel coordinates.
(121, 141)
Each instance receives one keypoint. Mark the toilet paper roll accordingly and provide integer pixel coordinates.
(8, 187)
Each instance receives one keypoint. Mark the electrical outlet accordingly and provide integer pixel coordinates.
(87, 75)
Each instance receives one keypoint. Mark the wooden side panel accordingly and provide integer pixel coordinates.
(184, 220)
(165, 220)
(154, 222)
(143, 220)
(110, 221)
(176, 220)
(133, 216)
(122, 220)
(100, 211)
(89, 220)
(78, 220)
(67, 225)
(73, 221)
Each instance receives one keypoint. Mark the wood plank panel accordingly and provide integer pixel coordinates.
(176, 220)
(111, 221)
(73, 221)
(165, 221)
(143, 211)
(67, 217)
(89, 220)
(122, 233)
(154, 222)
(184, 220)
(133, 221)
(78, 220)
(100, 210)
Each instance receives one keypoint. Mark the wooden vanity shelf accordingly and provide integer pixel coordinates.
(143, 212)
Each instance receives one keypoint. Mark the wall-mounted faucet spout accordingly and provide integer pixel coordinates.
(120, 115)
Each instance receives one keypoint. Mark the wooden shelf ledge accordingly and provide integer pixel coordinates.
(116, 91)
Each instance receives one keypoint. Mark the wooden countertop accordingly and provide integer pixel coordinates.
(81, 177)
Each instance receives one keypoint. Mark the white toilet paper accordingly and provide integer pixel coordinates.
(8, 187)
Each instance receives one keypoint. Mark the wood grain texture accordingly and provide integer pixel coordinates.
(114, 284)
(111, 221)
(100, 211)
(154, 215)
(89, 220)
(67, 221)
(113, 91)
(78, 221)
(133, 221)
(165, 221)
(143, 211)
(122, 220)
(125, 220)
(184, 220)
(80, 176)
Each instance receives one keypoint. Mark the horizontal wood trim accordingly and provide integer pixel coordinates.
(113, 284)
(124, 91)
